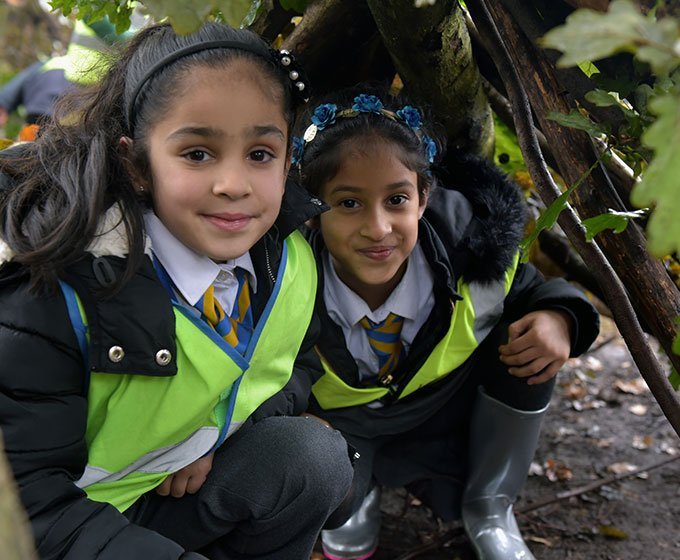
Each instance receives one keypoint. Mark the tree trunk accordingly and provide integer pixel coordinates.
(430, 47)
(654, 296)
(15, 540)
(521, 59)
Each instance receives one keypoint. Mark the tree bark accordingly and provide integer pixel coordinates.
(430, 47)
(572, 155)
(15, 540)
(338, 44)
(654, 296)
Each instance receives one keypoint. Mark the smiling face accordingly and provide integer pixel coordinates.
(218, 160)
(372, 226)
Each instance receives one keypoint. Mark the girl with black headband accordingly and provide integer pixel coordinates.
(156, 308)
(439, 349)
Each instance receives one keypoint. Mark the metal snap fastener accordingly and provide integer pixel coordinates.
(163, 357)
(116, 354)
(316, 201)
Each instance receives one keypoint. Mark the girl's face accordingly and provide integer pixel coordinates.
(218, 160)
(372, 226)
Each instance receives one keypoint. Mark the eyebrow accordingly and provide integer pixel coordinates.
(353, 189)
(210, 132)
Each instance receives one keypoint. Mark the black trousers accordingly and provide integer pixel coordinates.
(271, 488)
(431, 459)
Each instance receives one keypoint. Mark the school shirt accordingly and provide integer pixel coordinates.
(192, 273)
(412, 299)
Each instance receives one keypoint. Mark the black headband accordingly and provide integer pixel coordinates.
(284, 58)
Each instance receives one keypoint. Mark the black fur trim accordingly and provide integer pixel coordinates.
(500, 215)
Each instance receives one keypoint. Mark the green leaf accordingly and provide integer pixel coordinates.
(659, 184)
(294, 5)
(186, 16)
(676, 342)
(234, 11)
(589, 35)
(674, 379)
(507, 154)
(256, 7)
(546, 221)
(579, 121)
(602, 98)
(617, 221)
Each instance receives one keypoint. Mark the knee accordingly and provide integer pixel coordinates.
(312, 456)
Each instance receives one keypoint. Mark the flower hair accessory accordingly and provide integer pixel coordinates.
(326, 115)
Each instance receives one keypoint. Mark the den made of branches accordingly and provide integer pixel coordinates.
(578, 100)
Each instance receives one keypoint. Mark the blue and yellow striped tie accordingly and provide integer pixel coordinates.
(385, 341)
(237, 328)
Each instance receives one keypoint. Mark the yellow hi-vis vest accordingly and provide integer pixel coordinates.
(142, 428)
(473, 318)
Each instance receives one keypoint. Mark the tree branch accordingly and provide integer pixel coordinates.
(617, 298)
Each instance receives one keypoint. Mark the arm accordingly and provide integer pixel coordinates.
(43, 414)
(11, 94)
(293, 399)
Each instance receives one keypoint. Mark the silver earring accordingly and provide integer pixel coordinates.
(140, 188)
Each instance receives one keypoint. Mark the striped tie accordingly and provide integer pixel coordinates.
(385, 341)
(237, 328)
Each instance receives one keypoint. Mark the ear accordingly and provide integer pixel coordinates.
(126, 145)
(423, 203)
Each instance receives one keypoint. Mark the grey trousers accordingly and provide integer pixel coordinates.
(272, 486)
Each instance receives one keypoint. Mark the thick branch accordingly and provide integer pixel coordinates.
(487, 15)
(431, 50)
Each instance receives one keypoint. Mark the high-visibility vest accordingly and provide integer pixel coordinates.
(473, 318)
(142, 428)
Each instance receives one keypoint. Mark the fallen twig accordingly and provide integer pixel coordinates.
(457, 529)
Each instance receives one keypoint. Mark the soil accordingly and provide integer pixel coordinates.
(603, 421)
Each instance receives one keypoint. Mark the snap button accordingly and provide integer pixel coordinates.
(116, 354)
(163, 357)
(316, 201)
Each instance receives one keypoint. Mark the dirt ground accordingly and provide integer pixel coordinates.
(603, 421)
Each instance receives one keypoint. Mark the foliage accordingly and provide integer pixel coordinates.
(652, 134)
(617, 221)
(185, 16)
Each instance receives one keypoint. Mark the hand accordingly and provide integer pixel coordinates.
(313, 417)
(538, 345)
(187, 480)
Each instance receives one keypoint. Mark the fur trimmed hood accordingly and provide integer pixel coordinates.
(480, 219)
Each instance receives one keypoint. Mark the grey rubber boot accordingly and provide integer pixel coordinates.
(503, 441)
(357, 539)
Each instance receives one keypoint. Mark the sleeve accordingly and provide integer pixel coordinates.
(11, 92)
(530, 291)
(293, 399)
(43, 415)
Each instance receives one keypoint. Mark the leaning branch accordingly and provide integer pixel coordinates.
(617, 299)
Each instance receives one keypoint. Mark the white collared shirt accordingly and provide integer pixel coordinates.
(192, 273)
(412, 299)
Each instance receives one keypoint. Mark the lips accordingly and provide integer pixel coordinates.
(378, 252)
(229, 222)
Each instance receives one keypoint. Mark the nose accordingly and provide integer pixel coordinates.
(231, 180)
(376, 225)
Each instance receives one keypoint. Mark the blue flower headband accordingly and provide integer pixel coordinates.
(326, 115)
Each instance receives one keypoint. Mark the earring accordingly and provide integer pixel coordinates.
(140, 188)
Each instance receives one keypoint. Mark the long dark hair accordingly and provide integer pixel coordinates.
(322, 157)
(63, 183)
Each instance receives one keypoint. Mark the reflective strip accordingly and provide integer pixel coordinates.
(164, 460)
(487, 302)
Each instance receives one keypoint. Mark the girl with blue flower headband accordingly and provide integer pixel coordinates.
(439, 350)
